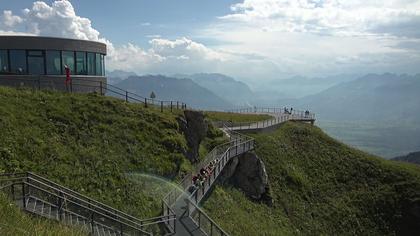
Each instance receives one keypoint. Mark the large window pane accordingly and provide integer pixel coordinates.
(91, 63)
(4, 64)
(36, 62)
(98, 64)
(81, 63)
(18, 61)
(68, 60)
(53, 62)
(103, 64)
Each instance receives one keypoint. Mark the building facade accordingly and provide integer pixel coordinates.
(33, 61)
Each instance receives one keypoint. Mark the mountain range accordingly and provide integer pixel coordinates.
(373, 98)
(236, 92)
(168, 88)
(413, 157)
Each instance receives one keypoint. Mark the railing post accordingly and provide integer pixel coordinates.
(171, 106)
(145, 102)
(60, 203)
(92, 224)
(13, 191)
(161, 106)
(177, 105)
(199, 219)
(23, 195)
(126, 95)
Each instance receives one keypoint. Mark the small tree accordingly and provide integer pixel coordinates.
(152, 95)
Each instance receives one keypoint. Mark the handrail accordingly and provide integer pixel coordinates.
(189, 201)
(87, 199)
(100, 86)
(69, 200)
(129, 221)
(91, 207)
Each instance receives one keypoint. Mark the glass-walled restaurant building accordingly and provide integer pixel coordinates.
(40, 61)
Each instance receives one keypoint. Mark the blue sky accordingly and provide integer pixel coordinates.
(256, 41)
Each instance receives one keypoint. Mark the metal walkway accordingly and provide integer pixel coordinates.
(191, 220)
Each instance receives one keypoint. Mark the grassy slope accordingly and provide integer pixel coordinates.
(89, 143)
(14, 222)
(319, 186)
(235, 117)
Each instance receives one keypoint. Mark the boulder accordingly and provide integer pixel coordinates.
(247, 172)
(194, 127)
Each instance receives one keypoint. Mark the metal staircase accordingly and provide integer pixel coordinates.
(42, 197)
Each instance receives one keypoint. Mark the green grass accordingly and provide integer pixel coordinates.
(14, 222)
(89, 143)
(235, 117)
(321, 187)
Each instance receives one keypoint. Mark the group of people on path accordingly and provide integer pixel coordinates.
(204, 173)
(286, 111)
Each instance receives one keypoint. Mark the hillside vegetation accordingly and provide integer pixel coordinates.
(322, 187)
(92, 144)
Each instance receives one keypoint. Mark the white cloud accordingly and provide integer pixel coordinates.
(60, 20)
(8, 20)
(337, 17)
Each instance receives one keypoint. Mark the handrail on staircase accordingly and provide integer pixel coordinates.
(81, 201)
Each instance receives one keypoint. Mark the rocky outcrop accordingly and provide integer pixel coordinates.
(194, 127)
(247, 172)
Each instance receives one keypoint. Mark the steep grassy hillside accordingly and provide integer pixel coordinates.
(91, 143)
(15, 222)
(322, 187)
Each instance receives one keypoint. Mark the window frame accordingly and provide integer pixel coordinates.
(10, 61)
(43, 56)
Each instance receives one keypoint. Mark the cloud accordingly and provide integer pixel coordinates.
(8, 20)
(357, 17)
(153, 36)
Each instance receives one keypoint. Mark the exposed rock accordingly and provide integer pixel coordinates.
(410, 218)
(247, 172)
(194, 128)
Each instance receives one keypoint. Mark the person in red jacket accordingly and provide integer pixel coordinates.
(68, 78)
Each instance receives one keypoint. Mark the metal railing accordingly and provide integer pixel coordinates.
(76, 85)
(28, 186)
(294, 114)
(277, 118)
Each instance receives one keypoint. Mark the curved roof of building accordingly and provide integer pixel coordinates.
(50, 43)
